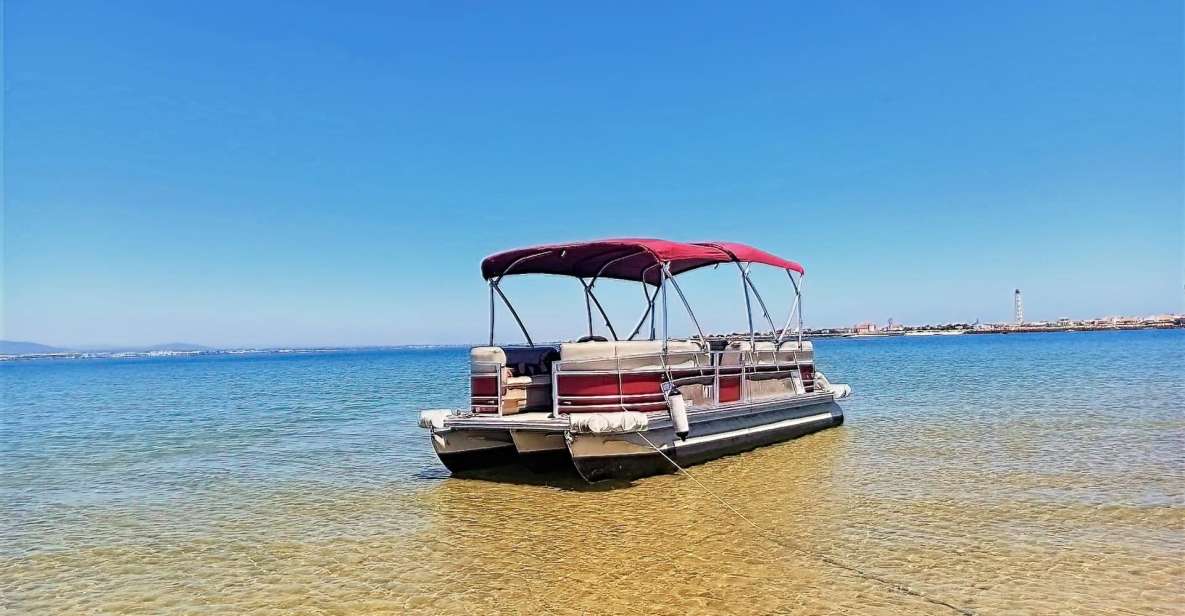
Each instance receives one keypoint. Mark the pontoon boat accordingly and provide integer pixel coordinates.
(621, 407)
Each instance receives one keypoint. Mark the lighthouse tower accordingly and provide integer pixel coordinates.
(1018, 308)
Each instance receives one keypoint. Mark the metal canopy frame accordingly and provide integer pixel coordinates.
(666, 276)
(649, 311)
(589, 295)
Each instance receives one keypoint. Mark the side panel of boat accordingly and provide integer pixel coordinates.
(464, 450)
(629, 456)
(542, 451)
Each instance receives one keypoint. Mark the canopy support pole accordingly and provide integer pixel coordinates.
(589, 294)
(649, 307)
(588, 291)
(761, 303)
(667, 271)
(797, 307)
(587, 306)
(653, 333)
(748, 307)
(798, 289)
(653, 312)
(665, 336)
(513, 313)
(494, 288)
(492, 311)
(646, 313)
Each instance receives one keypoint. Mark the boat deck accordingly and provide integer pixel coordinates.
(540, 420)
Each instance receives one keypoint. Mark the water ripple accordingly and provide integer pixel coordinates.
(1006, 474)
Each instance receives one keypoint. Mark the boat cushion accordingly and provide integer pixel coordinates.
(484, 360)
(765, 354)
(631, 355)
(518, 381)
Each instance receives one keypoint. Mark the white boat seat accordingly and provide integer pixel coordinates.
(632, 355)
(764, 353)
(768, 345)
(487, 359)
(491, 359)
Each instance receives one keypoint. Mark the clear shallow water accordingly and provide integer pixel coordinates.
(1038, 473)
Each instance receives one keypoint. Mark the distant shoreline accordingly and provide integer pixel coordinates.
(66, 355)
(918, 333)
(1011, 329)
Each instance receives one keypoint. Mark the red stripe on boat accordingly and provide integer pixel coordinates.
(607, 384)
(730, 388)
(483, 386)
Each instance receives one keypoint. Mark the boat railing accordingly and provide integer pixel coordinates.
(708, 378)
(485, 387)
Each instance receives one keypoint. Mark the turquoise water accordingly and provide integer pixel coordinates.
(1037, 472)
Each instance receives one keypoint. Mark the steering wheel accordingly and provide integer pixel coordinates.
(592, 339)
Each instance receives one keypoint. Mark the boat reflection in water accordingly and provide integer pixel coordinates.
(620, 407)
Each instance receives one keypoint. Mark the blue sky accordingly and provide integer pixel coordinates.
(332, 173)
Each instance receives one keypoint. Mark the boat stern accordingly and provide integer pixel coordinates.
(465, 450)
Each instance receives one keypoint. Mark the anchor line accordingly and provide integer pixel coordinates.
(772, 538)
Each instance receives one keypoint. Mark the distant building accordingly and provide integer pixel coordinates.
(866, 327)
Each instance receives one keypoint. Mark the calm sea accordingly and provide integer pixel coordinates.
(1040, 473)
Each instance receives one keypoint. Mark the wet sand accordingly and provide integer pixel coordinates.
(550, 544)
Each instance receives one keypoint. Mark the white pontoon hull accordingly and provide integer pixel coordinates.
(545, 443)
(714, 433)
(466, 450)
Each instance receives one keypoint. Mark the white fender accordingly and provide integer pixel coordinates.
(434, 419)
(839, 391)
(608, 423)
(678, 407)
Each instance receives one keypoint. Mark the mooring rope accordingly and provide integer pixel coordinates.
(771, 537)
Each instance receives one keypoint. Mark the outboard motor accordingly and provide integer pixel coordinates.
(678, 408)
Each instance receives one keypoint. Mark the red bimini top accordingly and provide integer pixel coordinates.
(624, 259)
(748, 254)
(637, 259)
